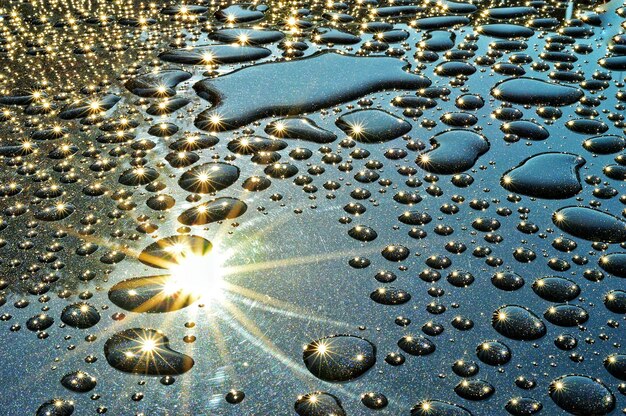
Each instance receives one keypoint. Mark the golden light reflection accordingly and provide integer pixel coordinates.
(200, 276)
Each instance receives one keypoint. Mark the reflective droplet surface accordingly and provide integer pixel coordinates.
(56, 407)
(581, 395)
(438, 408)
(556, 289)
(351, 77)
(517, 322)
(474, 389)
(566, 315)
(590, 224)
(319, 404)
(546, 175)
(339, 358)
(79, 381)
(208, 178)
(372, 126)
(536, 92)
(215, 210)
(453, 151)
(145, 351)
(80, 315)
(152, 294)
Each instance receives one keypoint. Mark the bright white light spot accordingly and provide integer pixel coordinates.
(200, 276)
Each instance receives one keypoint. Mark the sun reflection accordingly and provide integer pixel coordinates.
(200, 276)
(148, 345)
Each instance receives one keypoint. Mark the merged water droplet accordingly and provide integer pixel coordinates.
(566, 315)
(319, 404)
(80, 315)
(157, 84)
(215, 210)
(145, 351)
(546, 175)
(534, 91)
(372, 126)
(79, 381)
(590, 224)
(390, 296)
(56, 407)
(493, 353)
(517, 322)
(454, 151)
(374, 401)
(297, 87)
(339, 357)
(215, 54)
(581, 395)
(416, 345)
(171, 251)
(151, 294)
(208, 178)
(299, 128)
(474, 389)
(438, 408)
(521, 406)
(556, 289)
(614, 263)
